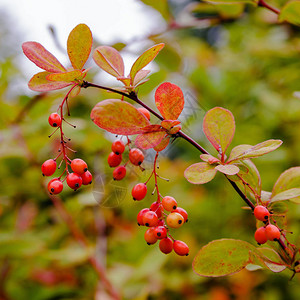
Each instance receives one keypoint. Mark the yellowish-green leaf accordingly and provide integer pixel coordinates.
(209, 158)
(287, 195)
(70, 76)
(237, 151)
(290, 13)
(200, 173)
(228, 169)
(232, 1)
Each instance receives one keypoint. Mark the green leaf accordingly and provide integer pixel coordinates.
(42, 57)
(144, 59)
(200, 173)
(161, 6)
(287, 195)
(228, 169)
(79, 45)
(290, 13)
(150, 139)
(110, 60)
(232, 1)
(257, 150)
(237, 151)
(289, 179)
(70, 76)
(169, 100)
(219, 127)
(118, 117)
(40, 83)
(209, 158)
(222, 257)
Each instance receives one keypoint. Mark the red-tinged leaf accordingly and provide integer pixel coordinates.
(200, 173)
(228, 169)
(290, 12)
(79, 45)
(222, 257)
(169, 100)
(110, 60)
(140, 75)
(144, 59)
(151, 128)
(237, 151)
(289, 194)
(219, 127)
(169, 124)
(209, 158)
(118, 117)
(163, 144)
(149, 140)
(42, 57)
(66, 76)
(258, 150)
(39, 83)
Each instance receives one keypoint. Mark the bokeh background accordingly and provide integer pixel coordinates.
(233, 56)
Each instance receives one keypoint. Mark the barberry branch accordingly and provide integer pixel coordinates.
(262, 3)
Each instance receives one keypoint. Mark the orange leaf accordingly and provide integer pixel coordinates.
(42, 57)
(66, 76)
(149, 140)
(163, 144)
(169, 100)
(118, 117)
(151, 128)
(79, 45)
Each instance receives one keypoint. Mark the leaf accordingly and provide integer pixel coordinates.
(222, 257)
(232, 1)
(140, 76)
(151, 128)
(237, 151)
(169, 100)
(79, 45)
(200, 173)
(163, 144)
(70, 76)
(118, 117)
(219, 127)
(290, 12)
(149, 140)
(110, 60)
(144, 59)
(258, 150)
(228, 169)
(39, 83)
(42, 57)
(287, 195)
(209, 158)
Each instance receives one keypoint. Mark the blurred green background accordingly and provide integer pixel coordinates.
(237, 57)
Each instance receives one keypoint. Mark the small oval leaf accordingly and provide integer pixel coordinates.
(149, 140)
(140, 75)
(237, 151)
(200, 173)
(219, 127)
(287, 195)
(228, 169)
(163, 144)
(118, 117)
(290, 12)
(209, 158)
(66, 76)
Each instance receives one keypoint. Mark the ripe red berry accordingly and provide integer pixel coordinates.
(114, 159)
(74, 181)
(181, 248)
(140, 216)
(119, 173)
(272, 232)
(79, 166)
(183, 212)
(118, 147)
(166, 245)
(150, 237)
(87, 178)
(150, 219)
(175, 220)
(156, 207)
(160, 232)
(139, 191)
(136, 156)
(55, 186)
(145, 112)
(49, 167)
(261, 213)
(54, 120)
(169, 203)
(260, 235)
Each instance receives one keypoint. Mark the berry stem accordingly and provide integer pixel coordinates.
(262, 3)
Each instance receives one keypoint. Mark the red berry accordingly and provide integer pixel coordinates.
(87, 178)
(140, 216)
(175, 220)
(150, 219)
(150, 237)
(136, 156)
(54, 120)
(166, 245)
(160, 232)
(260, 235)
(49, 167)
(114, 159)
(119, 173)
(74, 181)
(272, 232)
(118, 147)
(261, 213)
(55, 186)
(169, 203)
(156, 207)
(79, 166)
(145, 112)
(183, 212)
(181, 248)
(139, 191)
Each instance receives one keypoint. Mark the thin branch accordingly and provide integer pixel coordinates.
(262, 3)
